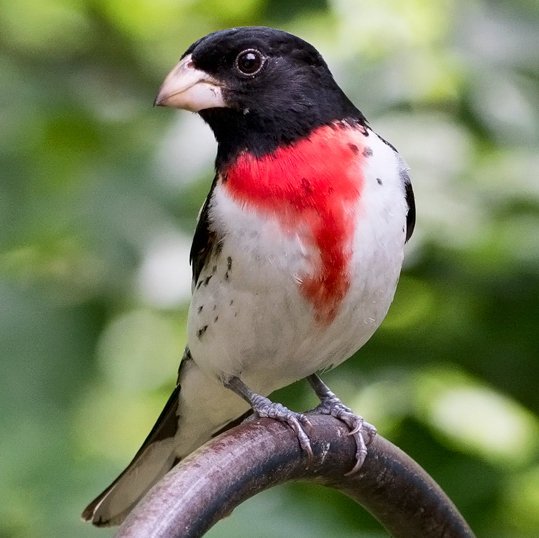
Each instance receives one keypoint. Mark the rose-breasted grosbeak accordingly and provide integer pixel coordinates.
(296, 254)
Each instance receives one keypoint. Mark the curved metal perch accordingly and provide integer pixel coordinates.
(262, 453)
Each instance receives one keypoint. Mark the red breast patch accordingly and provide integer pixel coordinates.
(313, 187)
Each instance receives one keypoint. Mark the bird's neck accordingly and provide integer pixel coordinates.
(249, 131)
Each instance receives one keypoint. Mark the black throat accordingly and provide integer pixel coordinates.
(261, 132)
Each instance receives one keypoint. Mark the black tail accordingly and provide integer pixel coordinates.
(154, 459)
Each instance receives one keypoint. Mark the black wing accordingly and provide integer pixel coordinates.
(409, 192)
(204, 240)
(410, 200)
(410, 216)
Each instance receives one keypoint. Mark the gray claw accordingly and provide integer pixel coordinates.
(264, 407)
(358, 427)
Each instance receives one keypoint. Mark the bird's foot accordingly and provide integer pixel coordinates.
(264, 407)
(362, 431)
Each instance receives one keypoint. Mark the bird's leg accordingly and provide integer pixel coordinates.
(264, 407)
(362, 431)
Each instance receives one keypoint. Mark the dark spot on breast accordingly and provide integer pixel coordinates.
(354, 148)
(215, 319)
(231, 302)
(367, 152)
(201, 331)
(200, 308)
(218, 248)
(306, 185)
(214, 307)
(199, 284)
(207, 280)
(214, 269)
(379, 181)
(229, 263)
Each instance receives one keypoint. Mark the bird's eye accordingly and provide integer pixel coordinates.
(249, 62)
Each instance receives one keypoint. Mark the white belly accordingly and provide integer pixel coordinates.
(248, 317)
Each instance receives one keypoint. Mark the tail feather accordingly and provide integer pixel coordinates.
(154, 459)
(199, 408)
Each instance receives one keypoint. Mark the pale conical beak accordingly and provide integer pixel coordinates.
(190, 89)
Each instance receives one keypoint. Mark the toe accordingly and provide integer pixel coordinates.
(361, 453)
(303, 438)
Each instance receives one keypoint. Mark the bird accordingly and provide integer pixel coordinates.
(297, 249)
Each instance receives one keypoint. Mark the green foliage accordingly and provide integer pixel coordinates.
(98, 198)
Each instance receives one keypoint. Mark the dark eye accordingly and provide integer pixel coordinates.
(249, 62)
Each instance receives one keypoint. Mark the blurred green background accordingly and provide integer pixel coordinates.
(98, 198)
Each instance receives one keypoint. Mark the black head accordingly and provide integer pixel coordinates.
(259, 88)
